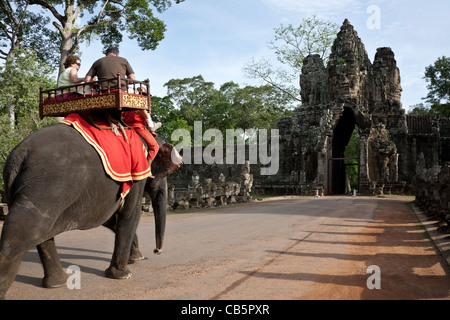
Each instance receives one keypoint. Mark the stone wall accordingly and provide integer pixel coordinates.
(278, 184)
(432, 189)
(429, 142)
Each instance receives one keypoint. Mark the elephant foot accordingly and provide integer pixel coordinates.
(55, 282)
(135, 255)
(115, 273)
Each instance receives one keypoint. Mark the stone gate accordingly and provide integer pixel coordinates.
(352, 92)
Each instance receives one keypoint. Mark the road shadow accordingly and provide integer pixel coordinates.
(410, 266)
(67, 259)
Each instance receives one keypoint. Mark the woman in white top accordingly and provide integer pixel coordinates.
(69, 76)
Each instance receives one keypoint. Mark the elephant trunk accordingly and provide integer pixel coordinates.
(160, 210)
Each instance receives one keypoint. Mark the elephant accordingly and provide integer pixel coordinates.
(55, 182)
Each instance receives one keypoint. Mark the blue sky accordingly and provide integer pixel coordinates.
(216, 38)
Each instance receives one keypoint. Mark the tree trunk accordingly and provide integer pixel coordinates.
(65, 50)
(12, 115)
(67, 46)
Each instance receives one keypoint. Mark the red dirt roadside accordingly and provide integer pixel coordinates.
(411, 266)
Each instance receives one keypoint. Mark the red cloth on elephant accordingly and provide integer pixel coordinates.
(124, 161)
(135, 121)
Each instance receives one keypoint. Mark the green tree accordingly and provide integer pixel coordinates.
(438, 79)
(164, 110)
(22, 29)
(291, 46)
(107, 19)
(419, 109)
(229, 107)
(20, 80)
(259, 107)
(191, 97)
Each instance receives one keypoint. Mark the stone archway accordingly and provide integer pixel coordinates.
(338, 162)
(350, 91)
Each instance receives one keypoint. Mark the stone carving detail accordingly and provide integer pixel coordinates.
(209, 193)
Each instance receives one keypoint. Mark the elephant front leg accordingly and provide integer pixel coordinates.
(135, 253)
(54, 275)
(125, 230)
(118, 270)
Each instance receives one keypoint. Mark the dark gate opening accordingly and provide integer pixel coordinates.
(339, 163)
(339, 179)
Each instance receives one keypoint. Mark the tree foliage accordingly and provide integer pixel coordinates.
(229, 107)
(419, 109)
(110, 20)
(163, 110)
(437, 101)
(438, 79)
(291, 45)
(21, 28)
(20, 81)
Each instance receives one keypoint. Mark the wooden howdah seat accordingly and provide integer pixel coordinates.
(96, 95)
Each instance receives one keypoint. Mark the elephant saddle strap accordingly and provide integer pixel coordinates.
(122, 153)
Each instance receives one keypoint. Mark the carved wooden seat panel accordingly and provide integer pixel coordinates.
(84, 97)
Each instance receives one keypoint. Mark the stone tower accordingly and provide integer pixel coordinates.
(350, 92)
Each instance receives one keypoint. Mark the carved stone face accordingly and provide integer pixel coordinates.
(348, 66)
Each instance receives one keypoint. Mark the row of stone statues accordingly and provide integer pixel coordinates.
(432, 189)
(209, 193)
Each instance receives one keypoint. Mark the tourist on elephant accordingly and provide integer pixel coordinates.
(69, 76)
(109, 67)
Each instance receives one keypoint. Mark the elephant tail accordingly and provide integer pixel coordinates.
(13, 166)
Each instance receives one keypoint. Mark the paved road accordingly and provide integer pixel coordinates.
(292, 248)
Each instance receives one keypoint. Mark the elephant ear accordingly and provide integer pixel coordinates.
(166, 162)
